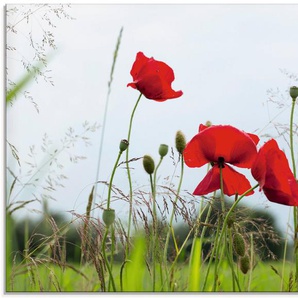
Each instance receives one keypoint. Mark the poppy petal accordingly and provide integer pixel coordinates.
(271, 170)
(138, 65)
(233, 182)
(153, 78)
(254, 137)
(234, 146)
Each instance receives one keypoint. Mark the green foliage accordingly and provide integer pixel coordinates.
(195, 267)
(135, 267)
(26, 79)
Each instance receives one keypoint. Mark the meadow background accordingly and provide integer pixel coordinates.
(234, 64)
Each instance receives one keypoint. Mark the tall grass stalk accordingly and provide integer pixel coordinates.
(86, 234)
(115, 55)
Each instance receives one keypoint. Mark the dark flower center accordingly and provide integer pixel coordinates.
(220, 162)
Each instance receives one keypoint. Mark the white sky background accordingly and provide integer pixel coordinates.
(225, 58)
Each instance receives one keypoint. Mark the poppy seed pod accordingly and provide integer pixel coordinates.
(108, 216)
(148, 164)
(163, 150)
(123, 145)
(180, 141)
(294, 92)
(239, 244)
(244, 264)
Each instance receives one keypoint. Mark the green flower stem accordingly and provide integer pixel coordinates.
(186, 239)
(154, 188)
(251, 261)
(215, 246)
(222, 195)
(173, 211)
(154, 233)
(231, 263)
(155, 221)
(128, 175)
(284, 255)
(112, 177)
(295, 209)
(106, 259)
(291, 137)
(110, 264)
(112, 254)
(219, 244)
(224, 225)
(230, 259)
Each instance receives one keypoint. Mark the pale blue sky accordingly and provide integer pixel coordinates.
(225, 58)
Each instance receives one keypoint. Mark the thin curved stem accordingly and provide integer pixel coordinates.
(106, 259)
(154, 232)
(155, 221)
(128, 174)
(295, 209)
(173, 211)
(111, 179)
(222, 245)
(292, 138)
(224, 225)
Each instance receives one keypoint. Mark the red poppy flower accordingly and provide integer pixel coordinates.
(153, 78)
(221, 145)
(271, 169)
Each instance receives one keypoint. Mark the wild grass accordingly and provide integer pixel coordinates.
(41, 276)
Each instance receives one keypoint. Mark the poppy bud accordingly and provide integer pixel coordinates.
(239, 244)
(148, 164)
(294, 92)
(123, 145)
(208, 123)
(244, 264)
(108, 216)
(180, 141)
(163, 150)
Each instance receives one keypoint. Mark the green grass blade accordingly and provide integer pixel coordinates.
(27, 77)
(134, 272)
(194, 268)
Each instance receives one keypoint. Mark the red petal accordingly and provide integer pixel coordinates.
(271, 169)
(140, 62)
(254, 137)
(153, 78)
(235, 146)
(233, 182)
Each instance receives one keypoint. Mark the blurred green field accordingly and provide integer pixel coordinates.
(265, 277)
